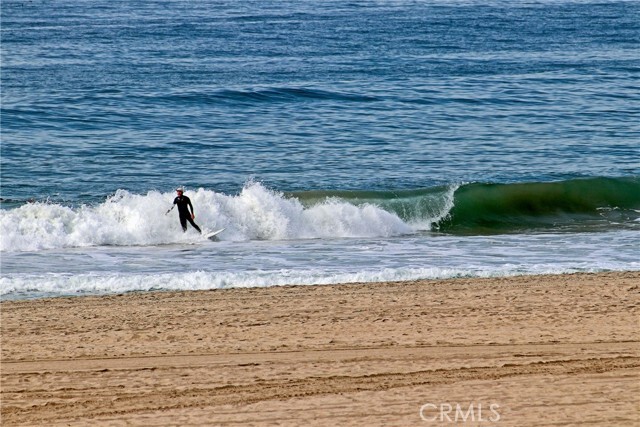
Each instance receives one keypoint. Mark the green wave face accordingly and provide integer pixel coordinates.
(572, 205)
(421, 208)
(594, 204)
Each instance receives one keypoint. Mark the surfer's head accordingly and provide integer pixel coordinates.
(179, 190)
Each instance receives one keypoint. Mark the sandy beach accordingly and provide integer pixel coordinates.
(531, 350)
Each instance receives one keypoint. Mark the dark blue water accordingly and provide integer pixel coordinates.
(107, 106)
(101, 95)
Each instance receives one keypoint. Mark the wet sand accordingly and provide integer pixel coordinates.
(531, 350)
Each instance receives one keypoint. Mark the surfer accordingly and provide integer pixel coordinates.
(184, 205)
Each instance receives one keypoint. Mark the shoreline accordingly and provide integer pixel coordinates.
(4, 299)
(348, 354)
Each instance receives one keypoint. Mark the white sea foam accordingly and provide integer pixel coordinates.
(271, 240)
(82, 284)
(127, 219)
(208, 265)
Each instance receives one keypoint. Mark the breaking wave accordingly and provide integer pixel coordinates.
(259, 213)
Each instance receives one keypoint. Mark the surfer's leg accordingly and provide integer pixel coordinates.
(194, 225)
(183, 223)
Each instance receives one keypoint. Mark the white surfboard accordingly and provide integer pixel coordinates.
(213, 234)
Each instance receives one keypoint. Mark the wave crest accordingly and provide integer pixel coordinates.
(131, 219)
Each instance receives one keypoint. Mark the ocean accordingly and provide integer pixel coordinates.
(337, 142)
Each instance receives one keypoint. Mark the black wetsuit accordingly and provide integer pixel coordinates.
(184, 203)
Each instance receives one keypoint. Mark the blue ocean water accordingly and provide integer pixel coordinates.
(335, 141)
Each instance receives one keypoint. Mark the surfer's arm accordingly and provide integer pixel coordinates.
(174, 205)
(191, 208)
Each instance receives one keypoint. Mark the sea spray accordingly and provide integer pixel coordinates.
(420, 208)
(126, 219)
(260, 213)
